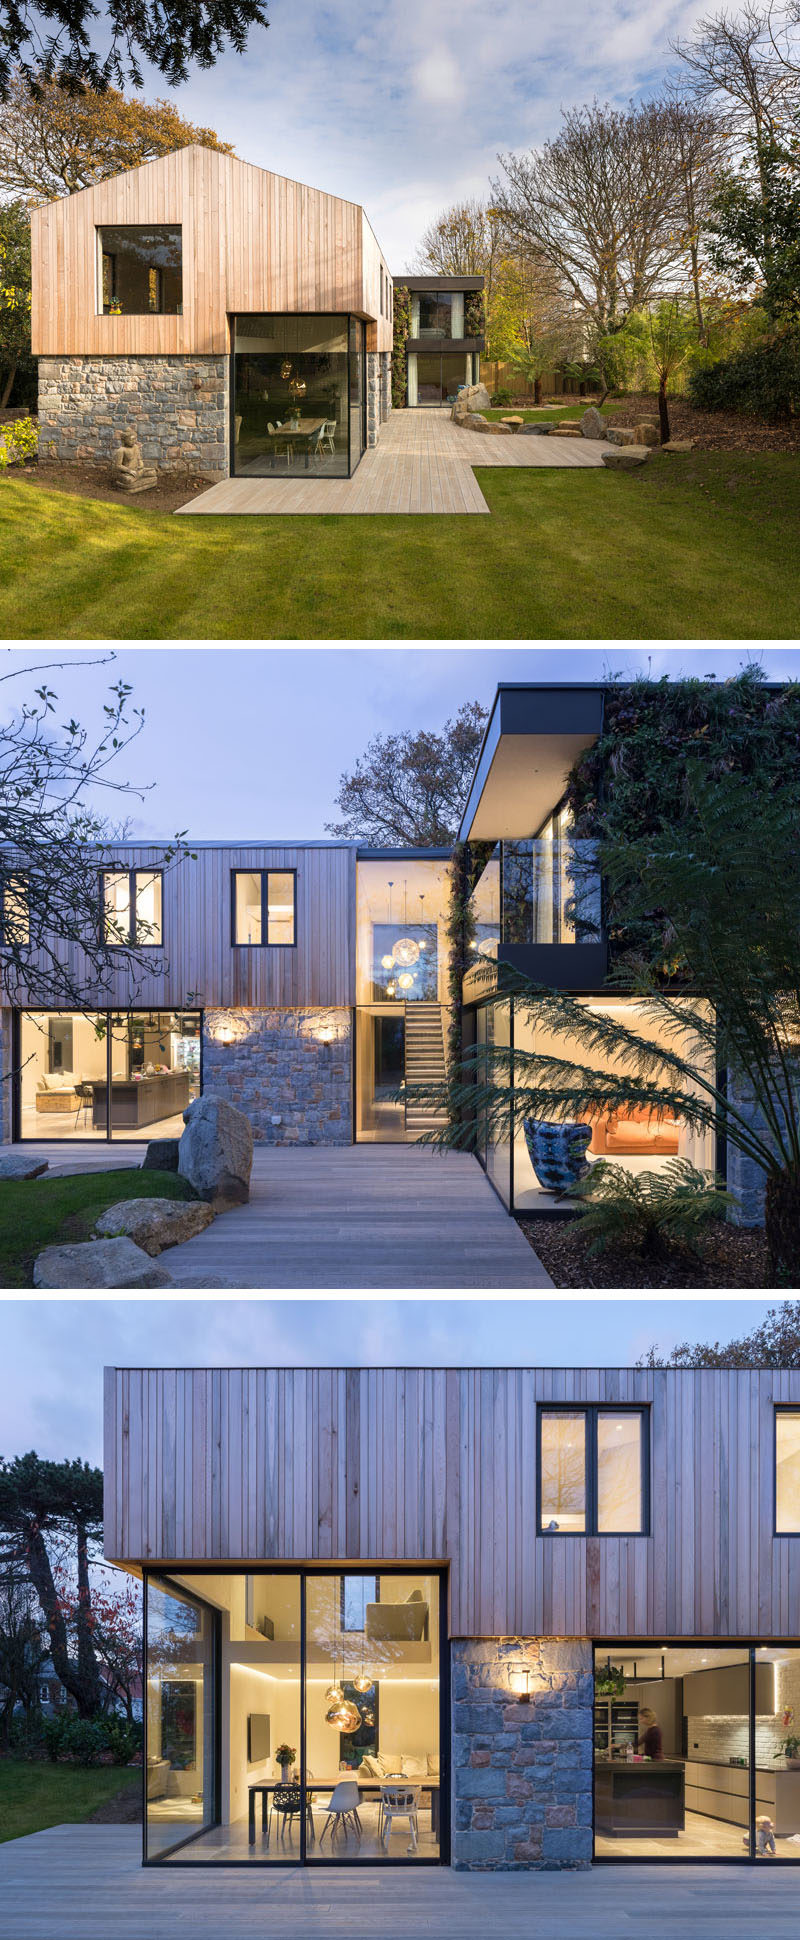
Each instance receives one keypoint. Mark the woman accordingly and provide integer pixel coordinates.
(649, 1733)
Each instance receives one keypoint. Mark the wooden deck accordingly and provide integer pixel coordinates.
(85, 1882)
(423, 464)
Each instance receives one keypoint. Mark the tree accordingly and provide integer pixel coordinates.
(411, 788)
(45, 1504)
(599, 204)
(22, 1653)
(722, 886)
(755, 226)
(774, 1343)
(697, 133)
(57, 143)
(53, 846)
(116, 1632)
(671, 334)
(56, 40)
(530, 326)
(465, 240)
(15, 294)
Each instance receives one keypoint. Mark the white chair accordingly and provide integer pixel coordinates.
(399, 1802)
(283, 445)
(343, 1810)
(329, 435)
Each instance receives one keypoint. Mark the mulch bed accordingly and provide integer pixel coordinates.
(711, 430)
(172, 490)
(730, 1256)
(124, 1809)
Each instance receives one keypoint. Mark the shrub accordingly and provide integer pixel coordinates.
(124, 1740)
(649, 1211)
(19, 439)
(80, 1740)
(762, 380)
(502, 396)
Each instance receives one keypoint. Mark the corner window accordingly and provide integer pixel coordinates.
(132, 913)
(593, 1471)
(787, 1471)
(14, 925)
(141, 270)
(263, 907)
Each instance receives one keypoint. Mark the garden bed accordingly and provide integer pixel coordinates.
(729, 1256)
(711, 430)
(82, 481)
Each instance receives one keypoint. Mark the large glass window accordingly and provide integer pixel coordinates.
(357, 1708)
(179, 1718)
(298, 384)
(14, 915)
(263, 906)
(148, 1061)
(141, 270)
(402, 956)
(132, 906)
(593, 1471)
(434, 376)
(787, 1471)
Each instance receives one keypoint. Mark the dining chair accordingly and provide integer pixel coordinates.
(343, 1810)
(86, 1095)
(329, 435)
(280, 444)
(400, 1802)
(287, 1802)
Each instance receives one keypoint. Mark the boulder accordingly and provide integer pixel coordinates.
(647, 433)
(679, 444)
(620, 434)
(536, 430)
(216, 1151)
(161, 1155)
(625, 458)
(474, 397)
(593, 425)
(13, 1165)
(472, 421)
(155, 1224)
(515, 423)
(98, 1263)
(565, 430)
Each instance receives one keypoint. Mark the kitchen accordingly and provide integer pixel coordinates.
(673, 1749)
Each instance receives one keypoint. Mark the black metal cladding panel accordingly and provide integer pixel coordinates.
(564, 966)
(551, 710)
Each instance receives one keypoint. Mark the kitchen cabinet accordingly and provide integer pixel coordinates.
(723, 1792)
(725, 1692)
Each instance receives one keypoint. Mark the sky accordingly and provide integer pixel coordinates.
(249, 744)
(52, 1352)
(404, 105)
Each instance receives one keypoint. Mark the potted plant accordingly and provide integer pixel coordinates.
(285, 1756)
(790, 1750)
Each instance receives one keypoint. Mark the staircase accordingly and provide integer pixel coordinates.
(424, 1064)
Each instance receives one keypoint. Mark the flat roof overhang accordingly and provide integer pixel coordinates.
(533, 738)
(434, 283)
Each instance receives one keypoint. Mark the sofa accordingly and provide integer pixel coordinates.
(635, 1131)
(397, 1623)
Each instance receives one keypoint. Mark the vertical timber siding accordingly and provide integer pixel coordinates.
(436, 1464)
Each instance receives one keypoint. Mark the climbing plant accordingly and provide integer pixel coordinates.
(402, 326)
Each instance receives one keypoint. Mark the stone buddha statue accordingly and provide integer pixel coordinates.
(128, 469)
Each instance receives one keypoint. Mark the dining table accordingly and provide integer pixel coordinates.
(303, 429)
(368, 1788)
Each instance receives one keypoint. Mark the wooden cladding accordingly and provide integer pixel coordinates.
(380, 1465)
(252, 241)
(201, 967)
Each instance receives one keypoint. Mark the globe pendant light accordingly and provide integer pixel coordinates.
(405, 951)
(334, 1694)
(363, 1683)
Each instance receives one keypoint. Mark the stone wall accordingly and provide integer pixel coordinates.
(293, 1066)
(745, 1178)
(522, 1773)
(373, 398)
(178, 407)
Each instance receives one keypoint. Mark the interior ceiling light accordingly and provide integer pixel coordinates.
(344, 1716)
(405, 950)
(334, 1694)
(406, 981)
(362, 1683)
(387, 963)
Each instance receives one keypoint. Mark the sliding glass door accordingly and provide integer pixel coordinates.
(180, 1718)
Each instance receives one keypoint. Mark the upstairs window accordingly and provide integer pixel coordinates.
(263, 907)
(14, 924)
(132, 907)
(787, 1471)
(141, 270)
(593, 1472)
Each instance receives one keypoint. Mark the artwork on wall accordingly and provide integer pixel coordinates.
(179, 1723)
(353, 1744)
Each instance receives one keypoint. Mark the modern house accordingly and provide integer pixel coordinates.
(445, 335)
(494, 1618)
(240, 323)
(315, 985)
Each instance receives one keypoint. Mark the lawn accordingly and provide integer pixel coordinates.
(35, 1795)
(686, 548)
(35, 1213)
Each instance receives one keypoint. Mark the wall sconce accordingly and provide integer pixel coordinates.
(520, 1682)
(223, 1034)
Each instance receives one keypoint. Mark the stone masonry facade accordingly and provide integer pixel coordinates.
(289, 1070)
(522, 1772)
(178, 407)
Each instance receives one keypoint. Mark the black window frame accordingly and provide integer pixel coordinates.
(591, 1410)
(265, 943)
(110, 256)
(781, 1408)
(132, 941)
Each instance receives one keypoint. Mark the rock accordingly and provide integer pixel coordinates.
(625, 458)
(515, 423)
(13, 1165)
(593, 425)
(161, 1155)
(565, 430)
(475, 397)
(620, 434)
(536, 430)
(647, 433)
(679, 444)
(216, 1151)
(98, 1263)
(156, 1223)
(198, 1280)
(472, 421)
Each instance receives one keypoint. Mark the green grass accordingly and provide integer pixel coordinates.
(553, 413)
(687, 548)
(34, 1795)
(35, 1213)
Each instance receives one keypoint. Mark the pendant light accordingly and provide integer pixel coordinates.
(363, 1682)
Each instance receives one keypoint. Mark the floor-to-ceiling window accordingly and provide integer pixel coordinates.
(71, 1063)
(402, 992)
(181, 1633)
(330, 1718)
(690, 1751)
(434, 376)
(298, 396)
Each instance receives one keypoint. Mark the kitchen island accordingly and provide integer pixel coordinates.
(639, 1799)
(140, 1101)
